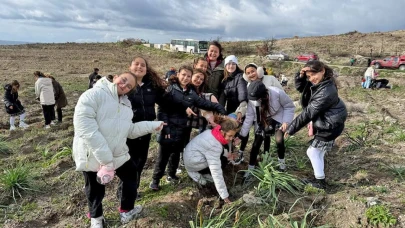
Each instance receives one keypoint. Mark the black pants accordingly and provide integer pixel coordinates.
(244, 142)
(138, 149)
(59, 112)
(168, 153)
(48, 111)
(257, 143)
(95, 192)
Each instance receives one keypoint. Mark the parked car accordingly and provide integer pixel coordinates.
(394, 62)
(306, 57)
(277, 56)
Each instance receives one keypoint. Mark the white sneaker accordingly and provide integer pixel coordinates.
(53, 122)
(47, 126)
(130, 215)
(12, 128)
(23, 125)
(179, 171)
(97, 222)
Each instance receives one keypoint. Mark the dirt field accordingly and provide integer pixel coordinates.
(367, 161)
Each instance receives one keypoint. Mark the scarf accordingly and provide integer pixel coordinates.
(218, 136)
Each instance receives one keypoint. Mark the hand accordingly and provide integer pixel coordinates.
(190, 112)
(226, 200)
(161, 126)
(283, 127)
(236, 141)
(11, 107)
(211, 121)
(239, 117)
(232, 156)
(303, 70)
(286, 135)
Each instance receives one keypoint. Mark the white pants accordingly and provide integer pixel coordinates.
(317, 160)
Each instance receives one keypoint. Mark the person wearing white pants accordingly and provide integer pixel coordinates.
(321, 105)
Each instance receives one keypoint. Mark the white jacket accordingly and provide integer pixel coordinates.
(281, 109)
(205, 151)
(44, 90)
(370, 72)
(102, 123)
(268, 80)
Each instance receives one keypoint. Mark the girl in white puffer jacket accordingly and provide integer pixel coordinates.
(102, 123)
(202, 154)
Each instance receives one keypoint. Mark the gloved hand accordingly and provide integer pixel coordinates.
(105, 174)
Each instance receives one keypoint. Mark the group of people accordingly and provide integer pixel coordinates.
(114, 120)
(370, 81)
(48, 92)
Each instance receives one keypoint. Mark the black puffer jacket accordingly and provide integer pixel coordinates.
(11, 99)
(213, 81)
(234, 91)
(322, 106)
(143, 100)
(172, 111)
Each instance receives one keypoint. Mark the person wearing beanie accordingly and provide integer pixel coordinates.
(270, 110)
(234, 93)
(253, 72)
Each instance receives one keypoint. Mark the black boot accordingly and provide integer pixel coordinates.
(316, 183)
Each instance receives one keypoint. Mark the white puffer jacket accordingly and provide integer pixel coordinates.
(281, 109)
(102, 123)
(268, 80)
(44, 90)
(205, 151)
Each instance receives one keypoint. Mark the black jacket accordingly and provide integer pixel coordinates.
(11, 99)
(234, 91)
(143, 101)
(172, 111)
(92, 76)
(322, 106)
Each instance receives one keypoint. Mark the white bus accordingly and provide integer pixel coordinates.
(189, 45)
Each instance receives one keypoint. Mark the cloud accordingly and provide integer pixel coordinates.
(161, 20)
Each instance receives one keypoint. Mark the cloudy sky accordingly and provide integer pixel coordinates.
(161, 20)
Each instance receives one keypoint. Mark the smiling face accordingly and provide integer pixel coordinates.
(251, 72)
(229, 135)
(202, 65)
(125, 83)
(213, 53)
(184, 77)
(197, 79)
(315, 77)
(138, 67)
(230, 67)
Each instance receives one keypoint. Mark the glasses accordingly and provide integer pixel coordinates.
(124, 80)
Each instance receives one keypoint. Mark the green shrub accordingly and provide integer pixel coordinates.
(16, 180)
(380, 215)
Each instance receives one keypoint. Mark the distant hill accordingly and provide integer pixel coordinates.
(8, 42)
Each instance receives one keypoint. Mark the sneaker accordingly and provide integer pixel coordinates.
(154, 185)
(239, 159)
(23, 125)
(179, 171)
(53, 122)
(208, 178)
(47, 126)
(281, 167)
(12, 128)
(97, 222)
(316, 183)
(172, 179)
(130, 215)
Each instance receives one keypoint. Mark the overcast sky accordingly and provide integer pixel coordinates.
(161, 20)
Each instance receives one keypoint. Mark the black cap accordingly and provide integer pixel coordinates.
(256, 90)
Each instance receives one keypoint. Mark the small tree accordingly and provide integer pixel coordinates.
(266, 47)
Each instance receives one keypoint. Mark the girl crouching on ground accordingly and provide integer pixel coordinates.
(13, 105)
(202, 156)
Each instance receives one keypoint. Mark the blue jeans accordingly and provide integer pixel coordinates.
(368, 82)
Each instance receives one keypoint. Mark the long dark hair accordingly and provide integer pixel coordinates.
(265, 108)
(317, 66)
(157, 82)
(201, 88)
(174, 79)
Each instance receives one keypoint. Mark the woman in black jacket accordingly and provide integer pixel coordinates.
(179, 96)
(149, 92)
(321, 105)
(13, 105)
